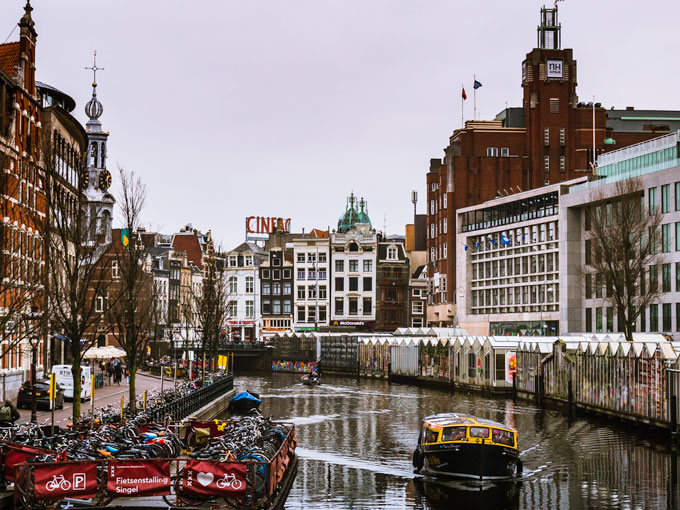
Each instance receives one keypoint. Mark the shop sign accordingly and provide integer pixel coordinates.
(138, 478)
(352, 323)
(59, 481)
(17, 455)
(266, 225)
(239, 323)
(213, 478)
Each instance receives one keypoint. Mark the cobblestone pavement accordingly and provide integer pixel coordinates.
(109, 394)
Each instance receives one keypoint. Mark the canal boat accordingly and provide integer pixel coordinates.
(453, 445)
(311, 380)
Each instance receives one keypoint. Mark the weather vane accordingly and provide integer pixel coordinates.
(94, 69)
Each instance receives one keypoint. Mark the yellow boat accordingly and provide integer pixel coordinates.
(463, 446)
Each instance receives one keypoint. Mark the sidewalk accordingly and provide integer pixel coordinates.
(102, 396)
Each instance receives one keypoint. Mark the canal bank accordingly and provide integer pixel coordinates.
(600, 374)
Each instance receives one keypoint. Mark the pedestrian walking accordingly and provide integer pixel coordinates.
(118, 372)
(127, 375)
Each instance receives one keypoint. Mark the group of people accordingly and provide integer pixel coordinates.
(115, 370)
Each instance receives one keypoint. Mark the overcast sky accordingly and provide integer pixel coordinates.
(283, 107)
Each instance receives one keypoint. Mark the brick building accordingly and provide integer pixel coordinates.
(392, 287)
(551, 138)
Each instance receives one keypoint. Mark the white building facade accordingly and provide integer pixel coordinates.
(353, 258)
(311, 283)
(242, 290)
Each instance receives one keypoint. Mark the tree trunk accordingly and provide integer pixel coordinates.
(76, 387)
(133, 380)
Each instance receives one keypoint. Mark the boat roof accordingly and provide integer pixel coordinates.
(446, 419)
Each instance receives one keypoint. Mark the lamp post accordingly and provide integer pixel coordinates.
(31, 317)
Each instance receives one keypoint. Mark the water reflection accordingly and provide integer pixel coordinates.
(356, 440)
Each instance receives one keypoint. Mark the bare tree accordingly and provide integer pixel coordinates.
(75, 254)
(134, 310)
(211, 309)
(624, 245)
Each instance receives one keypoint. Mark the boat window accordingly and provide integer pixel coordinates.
(503, 437)
(453, 434)
(431, 436)
(479, 432)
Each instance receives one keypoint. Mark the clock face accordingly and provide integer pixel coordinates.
(83, 178)
(104, 179)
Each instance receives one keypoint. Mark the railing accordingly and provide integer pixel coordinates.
(189, 404)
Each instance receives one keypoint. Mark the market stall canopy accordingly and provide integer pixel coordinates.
(104, 352)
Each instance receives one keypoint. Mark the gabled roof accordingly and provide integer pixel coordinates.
(189, 243)
(9, 57)
(248, 247)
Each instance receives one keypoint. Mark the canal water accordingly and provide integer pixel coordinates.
(356, 437)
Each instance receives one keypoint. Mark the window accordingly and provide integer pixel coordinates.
(322, 314)
(353, 266)
(610, 319)
(250, 309)
(276, 262)
(677, 199)
(322, 257)
(353, 306)
(339, 283)
(287, 288)
(232, 308)
(368, 306)
(301, 274)
(444, 251)
(322, 273)
(431, 206)
(677, 208)
(115, 270)
(233, 285)
(322, 292)
(651, 194)
(392, 253)
(589, 320)
(666, 198)
(666, 238)
(287, 307)
(554, 105)
(677, 236)
(667, 320)
(301, 292)
(287, 273)
(653, 279)
(276, 288)
(301, 258)
(99, 304)
(472, 365)
(250, 284)
(417, 322)
(445, 226)
(311, 314)
(563, 137)
(265, 273)
(654, 318)
(563, 164)
(276, 274)
(589, 286)
(233, 261)
(677, 277)
(266, 289)
(248, 260)
(666, 278)
(353, 284)
(546, 164)
(368, 266)
(417, 307)
(339, 306)
(339, 266)
(598, 320)
(311, 257)
(505, 152)
(311, 292)
(587, 251)
(546, 136)
(301, 314)
(368, 283)
(431, 230)
(492, 152)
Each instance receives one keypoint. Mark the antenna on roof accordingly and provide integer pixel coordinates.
(385, 225)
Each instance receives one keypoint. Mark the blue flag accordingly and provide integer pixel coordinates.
(505, 239)
(477, 245)
(477, 84)
(466, 246)
(492, 241)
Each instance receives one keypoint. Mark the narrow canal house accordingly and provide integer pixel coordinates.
(392, 292)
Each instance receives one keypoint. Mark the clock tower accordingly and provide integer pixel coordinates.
(97, 179)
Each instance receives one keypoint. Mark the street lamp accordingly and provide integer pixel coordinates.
(33, 315)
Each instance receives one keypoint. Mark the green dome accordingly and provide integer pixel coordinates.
(352, 215)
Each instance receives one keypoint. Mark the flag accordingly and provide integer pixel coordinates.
(477, 245)
(505, 239)
(492, 241)
(464, 95)
(466, 246)
(125, 236)
(477, 84)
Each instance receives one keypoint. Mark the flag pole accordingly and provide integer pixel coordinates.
(474, 97)
(462, 106)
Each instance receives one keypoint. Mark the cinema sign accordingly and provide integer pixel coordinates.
(266, 224)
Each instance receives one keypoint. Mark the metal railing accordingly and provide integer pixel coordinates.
(189, 404)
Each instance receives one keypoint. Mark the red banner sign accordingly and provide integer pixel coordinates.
(212, 478)
(266, 225)
(59, 481)
(138, 478)
(17, 455)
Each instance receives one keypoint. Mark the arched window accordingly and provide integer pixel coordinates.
(93, 154)
(353, 247)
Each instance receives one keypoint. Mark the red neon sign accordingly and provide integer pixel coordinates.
(266, 224)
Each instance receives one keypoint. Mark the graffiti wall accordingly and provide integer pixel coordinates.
(293, 366)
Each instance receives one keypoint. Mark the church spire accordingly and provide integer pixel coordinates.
(94, 108)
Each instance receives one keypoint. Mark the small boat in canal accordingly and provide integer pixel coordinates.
(311, 380)
(453, 445)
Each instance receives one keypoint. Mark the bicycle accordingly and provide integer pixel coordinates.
(58, 482)
(229, 481)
